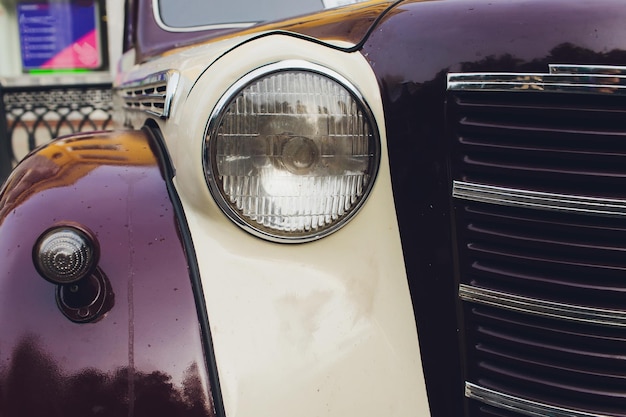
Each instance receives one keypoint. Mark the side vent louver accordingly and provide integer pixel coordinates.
(152, 94)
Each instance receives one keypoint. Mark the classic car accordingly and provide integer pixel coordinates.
(381, 208)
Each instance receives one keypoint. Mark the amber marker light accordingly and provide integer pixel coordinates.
(66, 253)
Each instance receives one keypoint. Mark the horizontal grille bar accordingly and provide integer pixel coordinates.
(521, 405)
(159, 98)
(587, 69)
(573, 82)
(538, 200)
(543, 308)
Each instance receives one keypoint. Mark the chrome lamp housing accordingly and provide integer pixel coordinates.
(291, 151)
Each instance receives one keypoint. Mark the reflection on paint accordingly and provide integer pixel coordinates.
(33, 374)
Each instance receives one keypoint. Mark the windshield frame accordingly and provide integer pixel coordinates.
(159, 21)
(342, 27)
(156, 10)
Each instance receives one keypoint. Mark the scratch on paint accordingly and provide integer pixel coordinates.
(131, 306)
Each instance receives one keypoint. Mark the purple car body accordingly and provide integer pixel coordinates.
(477, 270)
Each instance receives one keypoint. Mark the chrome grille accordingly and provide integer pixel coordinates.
(539, 180)
(542, 141)
(558, 366)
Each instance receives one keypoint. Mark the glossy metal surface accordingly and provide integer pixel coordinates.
(545, 308)
(561, 79)
(152, 94)
(588, 69)
(145, 356)
(538, 200)
(413, 49)
(521, 405)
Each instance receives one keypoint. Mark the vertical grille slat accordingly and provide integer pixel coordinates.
(539, 187)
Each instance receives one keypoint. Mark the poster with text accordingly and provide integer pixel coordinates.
(59, 35)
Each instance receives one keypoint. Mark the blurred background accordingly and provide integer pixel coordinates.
(57, 62)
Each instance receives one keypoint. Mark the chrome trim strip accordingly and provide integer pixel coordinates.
(145, 97)
(156, 79)
(561, 79)
(543, 308)
(505, 196)
(137, 91)
(587, 69)
(521, 405)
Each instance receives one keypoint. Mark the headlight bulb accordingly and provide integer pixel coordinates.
(299, 154)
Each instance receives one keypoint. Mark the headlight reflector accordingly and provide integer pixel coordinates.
(291, 152)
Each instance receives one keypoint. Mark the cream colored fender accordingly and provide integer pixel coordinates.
(314, 329)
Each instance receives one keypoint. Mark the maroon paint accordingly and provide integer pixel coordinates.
(145, 356)
(411, 52)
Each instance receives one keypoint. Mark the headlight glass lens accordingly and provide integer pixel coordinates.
(290, 154)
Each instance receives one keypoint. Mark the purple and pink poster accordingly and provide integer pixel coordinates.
(59, 35)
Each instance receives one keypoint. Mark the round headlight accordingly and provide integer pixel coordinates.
(291, 152)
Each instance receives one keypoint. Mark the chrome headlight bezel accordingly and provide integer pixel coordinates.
(212, 176)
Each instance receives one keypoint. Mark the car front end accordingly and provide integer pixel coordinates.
(385, 208)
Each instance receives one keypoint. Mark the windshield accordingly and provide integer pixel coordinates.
(188, 14)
